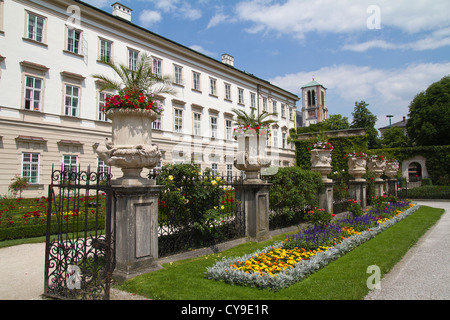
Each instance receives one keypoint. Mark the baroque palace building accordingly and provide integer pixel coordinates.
(51, 106)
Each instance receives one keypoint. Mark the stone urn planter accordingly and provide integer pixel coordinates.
(376, 165)
(357, 166)
(251, 155)
(321, 162)
(131, 148)
(391, 168)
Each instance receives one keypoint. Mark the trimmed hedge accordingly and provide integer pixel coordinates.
(39, 230)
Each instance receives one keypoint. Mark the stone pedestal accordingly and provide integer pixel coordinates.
(255, 201)
(136, 230)
(357, 191)
(326, 197)
(379, 187)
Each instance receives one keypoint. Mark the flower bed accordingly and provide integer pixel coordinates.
(25, 218)
(261, 269)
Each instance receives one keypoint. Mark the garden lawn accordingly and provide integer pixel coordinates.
(344, 278)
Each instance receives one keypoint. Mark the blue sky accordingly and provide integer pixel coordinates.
(381, 51)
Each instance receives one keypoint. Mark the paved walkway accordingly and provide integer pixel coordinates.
(424, 272)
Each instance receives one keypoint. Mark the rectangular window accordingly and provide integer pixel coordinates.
(133, 57)
(228, 129)
(196, 81)
(274, 106)
(197, 124)
(70, 163)
(291, 114)
(35, 28)
(178, 121)
(101, 106)
(275, 138)
(178, 75)
(227, 91)
(213, 86)
(252, 100)
(102, 167)
(157, 67)
(214, 168)
(30, 167)
(213, 127)
(264, 104)
(105, 50)
(33, 89)
(283, 140)
(73, 40)
(240, 96)
(71, 100)
(229, 172)
(283, 111)
(156, 124)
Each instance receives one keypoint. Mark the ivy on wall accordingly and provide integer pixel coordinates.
(437, 159)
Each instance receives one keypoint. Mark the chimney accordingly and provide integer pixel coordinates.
(227, 59)
(121, 11)
(404, 118)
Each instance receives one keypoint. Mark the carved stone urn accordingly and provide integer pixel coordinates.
(251, 154)
(357, 167)
(321, 162)
(391, 169)
(131, 148)
(376, 165)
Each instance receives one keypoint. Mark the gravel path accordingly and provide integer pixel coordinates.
(424, 272)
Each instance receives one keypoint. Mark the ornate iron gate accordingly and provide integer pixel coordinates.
(79, 257)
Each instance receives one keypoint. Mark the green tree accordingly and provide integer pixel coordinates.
(142, 79)
(253, 120)
(334, 122)
(394, 137)
(429, 115)
(363, 118)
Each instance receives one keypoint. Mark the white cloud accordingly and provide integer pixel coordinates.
(386, 91)
(148, 18)
(437, 39)
(203, 51)
(188, 12)
(217, 19)
(298, 17)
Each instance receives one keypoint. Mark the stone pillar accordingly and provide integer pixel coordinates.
(136, 230)
(357, 191)
(326, 197)
(379, 187)
(255, 201)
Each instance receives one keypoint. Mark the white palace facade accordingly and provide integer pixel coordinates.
(51, 105)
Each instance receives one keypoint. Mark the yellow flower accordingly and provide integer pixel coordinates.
(213, 182)
(187, 201)
(170, 177)
(222, 207)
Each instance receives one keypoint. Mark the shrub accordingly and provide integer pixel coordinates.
(319, 217)
(354, 208)
(294, 188)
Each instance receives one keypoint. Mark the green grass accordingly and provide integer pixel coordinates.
(343, 279)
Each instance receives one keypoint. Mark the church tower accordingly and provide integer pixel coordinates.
(314, 103)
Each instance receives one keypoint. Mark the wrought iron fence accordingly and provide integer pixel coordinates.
(199, 211)
(79, 256)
